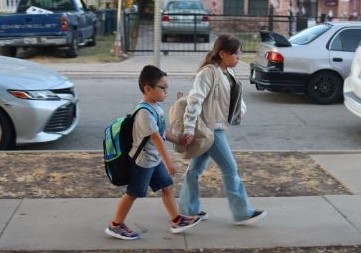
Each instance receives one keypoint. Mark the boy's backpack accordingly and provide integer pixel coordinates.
(117, 142)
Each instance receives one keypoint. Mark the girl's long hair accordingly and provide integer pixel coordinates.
(225, 42)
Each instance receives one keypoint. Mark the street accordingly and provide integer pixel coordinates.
(273, 121)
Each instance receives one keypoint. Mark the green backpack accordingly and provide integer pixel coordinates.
(117, 142)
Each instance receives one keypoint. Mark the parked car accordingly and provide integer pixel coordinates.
(37, 104)
(185, 17)
(314, 61)
(352, 85)
(55, 23)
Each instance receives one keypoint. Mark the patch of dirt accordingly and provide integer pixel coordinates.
(81, 175)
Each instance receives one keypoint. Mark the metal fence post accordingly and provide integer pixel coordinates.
(270, 18)
(126, 31)
(195, 32)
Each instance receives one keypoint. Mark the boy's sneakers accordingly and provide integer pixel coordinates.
(256, 216)
(203, 215)
(121, 232)
(183, 223)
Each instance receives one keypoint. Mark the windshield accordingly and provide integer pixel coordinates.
(309, 34)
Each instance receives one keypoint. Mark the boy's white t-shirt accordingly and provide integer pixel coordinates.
(145, 124)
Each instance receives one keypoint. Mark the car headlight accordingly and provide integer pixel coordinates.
(34, 94)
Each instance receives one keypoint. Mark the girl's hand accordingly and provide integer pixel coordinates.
(189, 138)
(182, 140)
(171, 168)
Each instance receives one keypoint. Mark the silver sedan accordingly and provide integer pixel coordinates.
(314, 61)
(185, 17)
(37, 104)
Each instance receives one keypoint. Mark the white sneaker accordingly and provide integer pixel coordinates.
(256, 216)
(121, 232)
(183, 223)
(203, 215)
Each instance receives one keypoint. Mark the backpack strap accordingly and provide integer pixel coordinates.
(140, 148)
(151, 109)
(143, 105)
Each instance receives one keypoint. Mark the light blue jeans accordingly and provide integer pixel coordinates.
(220, 152)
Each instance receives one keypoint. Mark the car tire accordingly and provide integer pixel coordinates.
(7, 136)
(8, 51)
(73, 49)
(325, 88)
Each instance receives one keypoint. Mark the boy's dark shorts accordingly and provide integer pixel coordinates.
(157, 178)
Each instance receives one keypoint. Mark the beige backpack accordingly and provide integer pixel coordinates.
(203, 136)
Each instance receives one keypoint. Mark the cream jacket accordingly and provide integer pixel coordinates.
(210, 98)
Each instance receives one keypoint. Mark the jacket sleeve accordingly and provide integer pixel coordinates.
(202, 85)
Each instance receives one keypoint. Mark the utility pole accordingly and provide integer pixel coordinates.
(157, 33)
(117, 47)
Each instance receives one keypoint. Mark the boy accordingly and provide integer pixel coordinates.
(153, 167)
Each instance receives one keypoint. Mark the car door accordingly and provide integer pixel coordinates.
(85, 28)
(342, 48)
(90, 19)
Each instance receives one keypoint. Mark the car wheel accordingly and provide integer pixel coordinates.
(8, 51)
(73, 47)
(7, 137)
(325, 87)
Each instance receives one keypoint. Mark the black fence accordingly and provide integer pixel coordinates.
(138, 31)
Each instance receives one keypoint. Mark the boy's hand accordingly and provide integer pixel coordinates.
(182, 140)
(186, 139)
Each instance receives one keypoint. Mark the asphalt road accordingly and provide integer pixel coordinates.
(273, 121)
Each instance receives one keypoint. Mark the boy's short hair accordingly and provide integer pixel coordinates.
(150, 75)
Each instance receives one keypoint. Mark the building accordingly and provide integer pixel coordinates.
(310, 8)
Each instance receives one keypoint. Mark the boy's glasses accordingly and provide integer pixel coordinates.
(238, 52)
(162, 87)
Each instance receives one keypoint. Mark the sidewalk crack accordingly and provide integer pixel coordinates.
(342, 214)
(10, 218)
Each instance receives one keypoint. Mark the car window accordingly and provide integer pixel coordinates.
(80, 5)
(51, 5)
(306, 36)
(65, 5)
(184, 5)
(346, 40)
(43, 4)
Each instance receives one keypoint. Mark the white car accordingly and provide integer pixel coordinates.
(352, 85)
(314, 62)
(37, 104)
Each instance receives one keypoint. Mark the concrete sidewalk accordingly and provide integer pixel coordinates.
(78, 224)
(180, 65)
